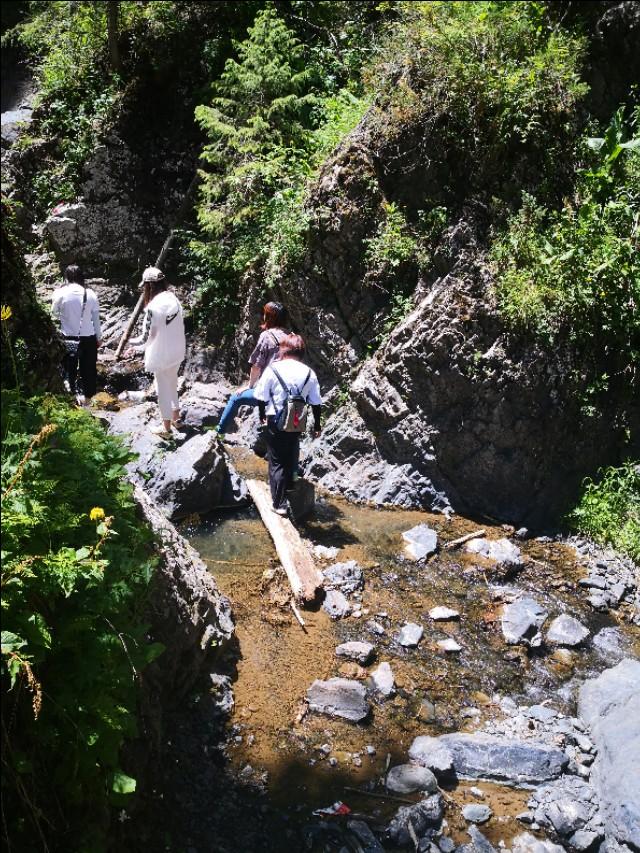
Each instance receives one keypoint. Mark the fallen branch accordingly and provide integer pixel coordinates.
(380, 796)
(462, 539)
(296, 613)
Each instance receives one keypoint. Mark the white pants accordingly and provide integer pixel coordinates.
(167, 390)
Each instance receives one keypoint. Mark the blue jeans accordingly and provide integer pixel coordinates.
(242, 398)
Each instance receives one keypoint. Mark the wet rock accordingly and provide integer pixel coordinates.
(566, 631)
(425, 817)
(501, 551)
(339, 697)
(449, 645)
(383, 680)
(421, 541)
(431, 752)
(368, 842)
(336, 605)
(527, 843)
(522, 620)
(610, 705)
(443, 614)
(482, 756)
(479, 844)
(410, 635)
(408, 778)
(476, 813)
(357, 651)
(347, 577)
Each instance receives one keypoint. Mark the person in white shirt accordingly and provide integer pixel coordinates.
(164, 345)
(284, 377)
(77, 309)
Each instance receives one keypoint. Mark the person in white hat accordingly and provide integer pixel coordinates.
(163, 343)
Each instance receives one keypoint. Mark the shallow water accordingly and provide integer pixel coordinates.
(436, 692)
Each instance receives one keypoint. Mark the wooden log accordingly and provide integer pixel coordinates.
(462, 539)
(304, 577)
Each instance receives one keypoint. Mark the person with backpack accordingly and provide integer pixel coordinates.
(77, 309)
(285, 390)
(164, 345)
(264, 353)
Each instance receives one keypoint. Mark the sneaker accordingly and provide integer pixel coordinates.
(160, 431)
(281, 510)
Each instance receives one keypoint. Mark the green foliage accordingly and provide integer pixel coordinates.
(574, 274)
(393, 244)
(75, 567)
(609, 510)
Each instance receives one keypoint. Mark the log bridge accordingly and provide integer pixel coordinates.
(304, 577)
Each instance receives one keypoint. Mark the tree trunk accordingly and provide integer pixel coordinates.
(112, 34)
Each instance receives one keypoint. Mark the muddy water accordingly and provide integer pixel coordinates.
(306, 761)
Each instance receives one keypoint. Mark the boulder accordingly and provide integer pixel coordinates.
(425, 818)
(522, 620)
(421, 541)
(408, 778)
(339, 697)
(360, 652)
(383, 680)
(482, 756)
(566, 631)
(410, 634)
(432, 753)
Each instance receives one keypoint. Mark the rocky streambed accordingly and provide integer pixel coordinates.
(479, 696)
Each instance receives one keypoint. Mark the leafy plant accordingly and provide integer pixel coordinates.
(609, 510)
(393, 244)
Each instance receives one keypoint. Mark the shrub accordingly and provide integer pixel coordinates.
(609, 510)
(75, 566)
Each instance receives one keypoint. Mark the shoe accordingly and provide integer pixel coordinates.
(281, 510)
(160, 431)
(81, 400)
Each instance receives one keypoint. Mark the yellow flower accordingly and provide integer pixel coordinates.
(6, 312)
(96, 514)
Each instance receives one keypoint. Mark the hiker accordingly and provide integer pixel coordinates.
(163, 343)
(283, 392)
(265, 351)
(76, 307)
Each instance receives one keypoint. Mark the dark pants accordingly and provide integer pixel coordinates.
(86, 363)
(282, 454)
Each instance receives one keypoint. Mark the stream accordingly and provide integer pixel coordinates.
(294, 761)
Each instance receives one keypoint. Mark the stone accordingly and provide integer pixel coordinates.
(566, 816)
(376, 628)
(425, 817)
(521, 622)
(357, 651)
(500, 551)
(566, 631)
(421, 541)
(446, 844)
(347, 577)
(610, 705)
(335, 604)
(610, 643)
(527, 843)
(408, 778)
(482, 756)
(302, 499)
(449, 645)
(584, 839)
(410, 634)
(432, 753)
(368, 842)
(479, 844)
(325, 552)
(427, 711)
(383, 680)
(443, 614)
(339, 697)
(541, 713)
(476, 812)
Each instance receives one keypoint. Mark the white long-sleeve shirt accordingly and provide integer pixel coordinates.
(67, 308)
(162, 339)
(295, 374)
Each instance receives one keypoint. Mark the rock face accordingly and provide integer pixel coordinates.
(566, 631)
(522, 620)
(339, 697)
(610, 704)
(480, 756)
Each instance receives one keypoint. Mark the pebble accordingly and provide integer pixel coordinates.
(410, 635)
(335, 604)
(371, 750)
(449, 645)
(357, 651)
(376, 628)
(476, 813)
(443, 614)
(383, 680)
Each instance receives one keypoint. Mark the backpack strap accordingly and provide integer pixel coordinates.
(275, 338)
(284, 385)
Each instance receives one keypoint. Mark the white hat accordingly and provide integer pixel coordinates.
(152, 274)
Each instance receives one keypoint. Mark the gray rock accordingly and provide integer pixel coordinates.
(583, 839)
(479, 844)
(421, 541)
(610, 705)
(431, 752)
(327, 552)
(566, 631)
(527, 843)
(339, 697)
(446, 844)
(408, 778)
(347, 577)
(522, 620)
(302, 499)
(501, 551)
(541, 713)
(357, 651)
(476, 812)
(449, 645)
(383, 680)
(369, 843)
(410, 635)
(443, 614)
(376, 628)
(566, 816)
(425, 817)
(335, 604)
(610, 643)
(482, 756)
